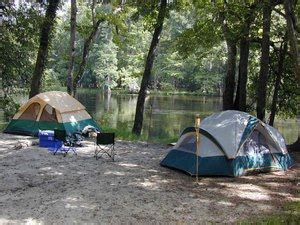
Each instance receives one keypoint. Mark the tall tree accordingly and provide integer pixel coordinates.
(291, 19)
(231, 42)
(264, 61)
(138, 120)
(241, 92)
(72, 47)
(85, 54)
(46, 29)
(228, 93)
(96, 21)
(279, 73)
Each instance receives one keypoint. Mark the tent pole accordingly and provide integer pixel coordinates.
(197, 126)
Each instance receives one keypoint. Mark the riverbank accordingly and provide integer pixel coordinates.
(38, 187)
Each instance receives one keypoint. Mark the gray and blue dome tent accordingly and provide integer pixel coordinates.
(231, 144)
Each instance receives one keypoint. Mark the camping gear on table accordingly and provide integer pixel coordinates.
(48, 111)
(232, 143)
(105, 144)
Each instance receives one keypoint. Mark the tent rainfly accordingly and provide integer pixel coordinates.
(232, 143)
(49, 111)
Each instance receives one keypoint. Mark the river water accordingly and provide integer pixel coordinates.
(165, 116)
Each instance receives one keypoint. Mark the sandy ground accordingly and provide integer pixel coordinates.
(37, 187)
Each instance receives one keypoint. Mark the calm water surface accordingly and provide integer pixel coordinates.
(165, 116)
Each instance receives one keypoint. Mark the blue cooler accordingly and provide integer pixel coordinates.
(46, 138)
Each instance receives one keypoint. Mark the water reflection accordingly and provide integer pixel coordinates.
(167, 117)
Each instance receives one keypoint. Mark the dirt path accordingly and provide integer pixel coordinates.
(38, 187)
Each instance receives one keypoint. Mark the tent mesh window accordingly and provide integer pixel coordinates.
(256, 144)
(31, 112)
(49, 114)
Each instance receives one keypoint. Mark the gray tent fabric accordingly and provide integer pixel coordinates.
(231, 144)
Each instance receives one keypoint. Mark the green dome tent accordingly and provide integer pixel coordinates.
(49, 111)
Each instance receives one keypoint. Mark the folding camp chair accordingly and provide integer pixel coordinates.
(66, 145)
(105, 144)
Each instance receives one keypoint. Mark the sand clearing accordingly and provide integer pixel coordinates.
(38, 187)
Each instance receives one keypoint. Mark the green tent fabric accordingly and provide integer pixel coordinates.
(31, 128)
(49, 111)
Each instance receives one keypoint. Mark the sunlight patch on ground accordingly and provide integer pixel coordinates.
(150, 185)
(74, 203)
(286, 195)
(130, 165)
(252, 195)
(114, 173)
(29, 221)
(225, 203)
(46, 168)
(32, 221)
(57, 173)
(248, 191)
(70, 199)
(207, 201)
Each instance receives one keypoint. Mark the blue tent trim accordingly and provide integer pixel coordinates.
(252, 122)
(221, 166)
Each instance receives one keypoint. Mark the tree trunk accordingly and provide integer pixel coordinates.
(241, 93)
(72, 48)
(264, 62)
(138, 120)
(85, 54)
(291, 20)
(93, 11)
(228, 93)
(229, 83)
(282, 53)
(292, 35)
(107, 89)
(46, 29)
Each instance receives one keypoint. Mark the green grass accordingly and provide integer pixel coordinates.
(289, 215)
(127, 135)
(2, 126)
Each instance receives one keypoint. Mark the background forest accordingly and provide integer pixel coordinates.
(244, 51)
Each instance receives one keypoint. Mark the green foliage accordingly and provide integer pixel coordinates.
(9, 106)
(105, 66)
(288, 96)
(191, 57)
(201, 73)
(18, 47)
(288, 92)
